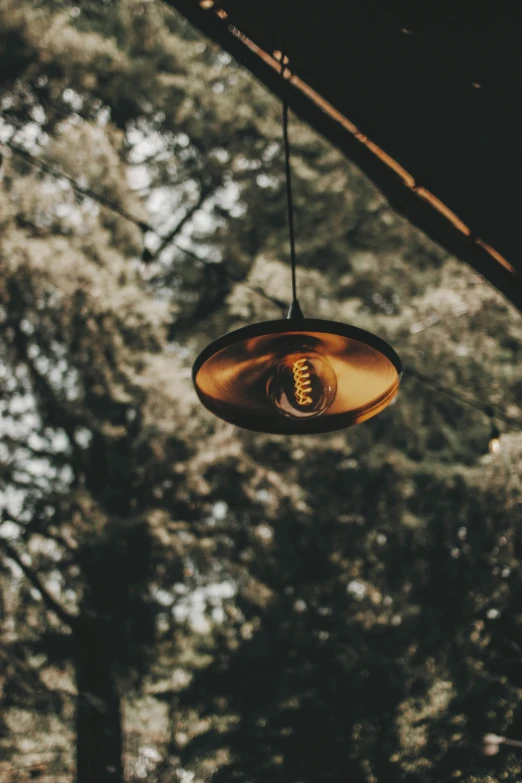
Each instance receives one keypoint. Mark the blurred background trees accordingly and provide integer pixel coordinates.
(182, 600)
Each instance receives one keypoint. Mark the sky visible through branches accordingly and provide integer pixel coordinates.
(182, 600)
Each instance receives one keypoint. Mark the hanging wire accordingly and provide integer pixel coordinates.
(410, 371)
(288, 171)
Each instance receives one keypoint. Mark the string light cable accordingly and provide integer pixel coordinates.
(493, 414)
(144, 226)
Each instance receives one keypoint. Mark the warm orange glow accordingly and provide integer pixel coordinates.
(392, 164)
(437, 204)
(494, 445)
(496, 255)
(303, 384)
(249, 377)
(278, 54)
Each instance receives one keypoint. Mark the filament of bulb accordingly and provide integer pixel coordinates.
(302, 382)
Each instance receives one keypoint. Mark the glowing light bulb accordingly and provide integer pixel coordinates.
(494, 440)
(494, 445)
(303, 385)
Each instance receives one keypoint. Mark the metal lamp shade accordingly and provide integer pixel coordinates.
(232, 374)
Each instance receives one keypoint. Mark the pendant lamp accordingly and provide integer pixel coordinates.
(296, 375)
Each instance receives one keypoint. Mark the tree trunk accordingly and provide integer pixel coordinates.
(98, 718)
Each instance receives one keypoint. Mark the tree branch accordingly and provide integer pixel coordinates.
(51, 603)
(84, 191)
(147, 257)
(40, 528)
(58, 411)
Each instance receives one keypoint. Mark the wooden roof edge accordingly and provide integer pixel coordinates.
(421, 207)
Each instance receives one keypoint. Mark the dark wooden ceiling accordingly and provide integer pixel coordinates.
(426, 97)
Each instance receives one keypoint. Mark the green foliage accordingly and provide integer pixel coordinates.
(343, 607)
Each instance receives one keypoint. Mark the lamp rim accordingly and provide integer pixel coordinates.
(282, 425)
(295, 326)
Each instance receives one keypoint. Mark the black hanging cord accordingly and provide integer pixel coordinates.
(288, 172)
(289, 197)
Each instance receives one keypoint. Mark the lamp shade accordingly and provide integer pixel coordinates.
(297, 376)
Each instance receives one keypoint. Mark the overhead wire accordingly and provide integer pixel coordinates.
(81, 189)
(472, 402)
(143, 225)
(113, 206)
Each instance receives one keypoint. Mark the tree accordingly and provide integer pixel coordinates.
(207, 602)
(79, 465)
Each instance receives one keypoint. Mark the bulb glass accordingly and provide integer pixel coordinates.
(494, 445)
(302, 385)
